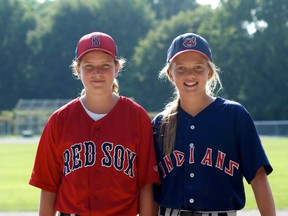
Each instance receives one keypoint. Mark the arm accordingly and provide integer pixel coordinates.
(156, 209)
(263, 193)
(146, 201)
(47, 201)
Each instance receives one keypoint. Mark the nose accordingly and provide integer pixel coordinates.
(189, 72)
(97, 71)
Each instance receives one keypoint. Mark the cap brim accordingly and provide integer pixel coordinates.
(96, 49)
(189, 50)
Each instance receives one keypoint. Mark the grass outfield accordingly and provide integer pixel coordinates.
(17, 161)
(277, 151)
(16, 165)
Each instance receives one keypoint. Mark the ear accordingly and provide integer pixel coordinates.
(170, 76)
(210, 74)
(77, 69)
(117, 68)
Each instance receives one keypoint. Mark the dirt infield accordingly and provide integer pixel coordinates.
(19, 140)
(240, 213)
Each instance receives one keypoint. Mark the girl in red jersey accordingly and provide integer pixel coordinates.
(96, 154)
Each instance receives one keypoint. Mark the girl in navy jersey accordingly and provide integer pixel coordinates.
(205, 145)
(96, 154)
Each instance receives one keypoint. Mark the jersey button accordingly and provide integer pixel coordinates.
(192, 175)
(191, 200)
(192, 127)
(97, 136)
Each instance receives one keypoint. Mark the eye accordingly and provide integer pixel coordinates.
(180, 69)
(105, 66)
(199, 68)
(88, 66)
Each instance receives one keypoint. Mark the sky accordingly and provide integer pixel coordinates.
(213, 3)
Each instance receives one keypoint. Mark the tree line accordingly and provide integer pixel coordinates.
(248, 38)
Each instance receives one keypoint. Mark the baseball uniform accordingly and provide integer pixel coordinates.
(213, 151)
(96, 167)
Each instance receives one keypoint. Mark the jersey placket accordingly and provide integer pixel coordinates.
(190, 175)
(95, 135)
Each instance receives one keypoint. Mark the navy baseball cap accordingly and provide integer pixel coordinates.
(189, 42)
(96, 41)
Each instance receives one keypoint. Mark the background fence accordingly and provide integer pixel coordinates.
(30, 116)
(272, 128)
(264, 128)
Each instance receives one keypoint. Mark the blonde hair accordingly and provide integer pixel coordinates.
(115, 87)
(168, 127)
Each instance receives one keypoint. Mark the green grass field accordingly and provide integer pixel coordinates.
(16, 165)
(16, 162)
(277, 151)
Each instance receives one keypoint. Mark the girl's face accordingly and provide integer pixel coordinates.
(97, 71)
(190, 72)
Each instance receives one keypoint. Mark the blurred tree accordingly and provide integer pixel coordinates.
(64, 22)
(150, 55)
(249, 60)
(38, 42)
(268, 99)
(167, 8)
(240, 53)
(128, 23)
(15, 23)
(230, 45)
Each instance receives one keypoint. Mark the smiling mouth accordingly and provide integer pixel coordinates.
(97, 81)
(190, 84)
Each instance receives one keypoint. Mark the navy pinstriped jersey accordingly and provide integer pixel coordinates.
(213, 152)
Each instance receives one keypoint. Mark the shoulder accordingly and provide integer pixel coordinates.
(71, 107)
(131, 107)
(59, 117)
(158, 117)
(229, 104)
(229, 109)
(131, 104)
(73, 104)
(157, 121)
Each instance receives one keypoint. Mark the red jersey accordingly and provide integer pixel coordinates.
(96, 167)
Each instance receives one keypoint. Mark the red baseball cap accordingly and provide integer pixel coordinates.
(96, 41)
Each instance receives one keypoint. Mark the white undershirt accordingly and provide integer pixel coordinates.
(94, 116)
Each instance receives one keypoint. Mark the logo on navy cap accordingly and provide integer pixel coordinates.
(190, 42)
